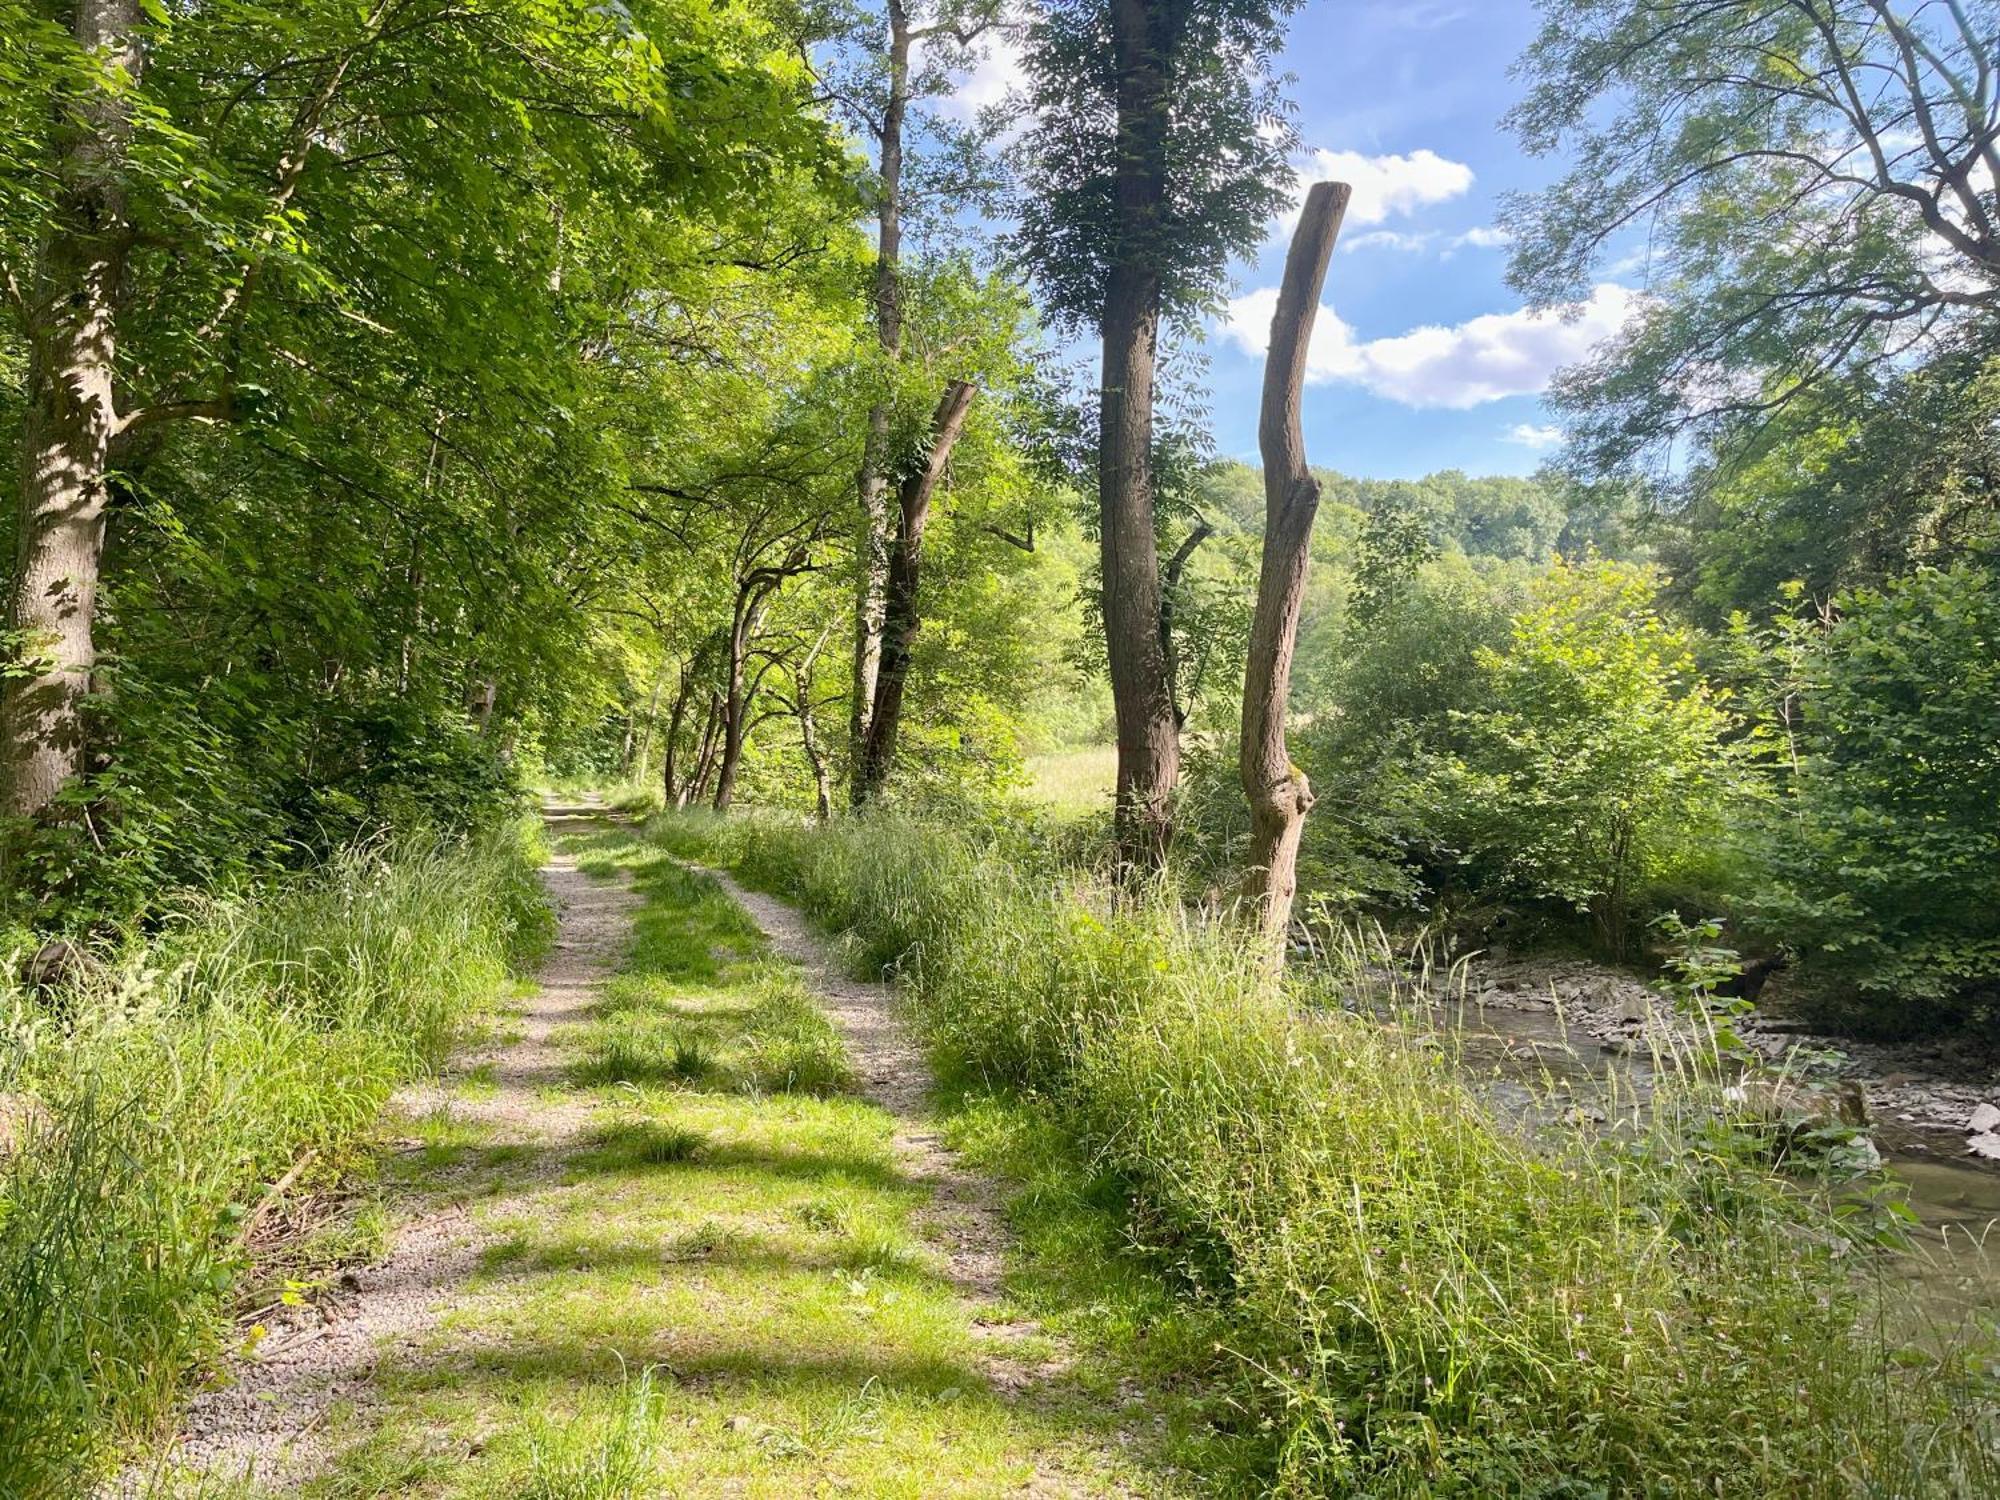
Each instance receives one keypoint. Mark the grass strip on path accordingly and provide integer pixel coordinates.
(728, 1285)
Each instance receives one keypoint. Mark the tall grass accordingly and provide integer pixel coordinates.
(143, 1108)
(1421, 1299)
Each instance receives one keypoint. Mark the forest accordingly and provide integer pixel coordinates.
(719, 776)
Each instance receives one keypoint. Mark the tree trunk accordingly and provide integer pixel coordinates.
(753, 595)
(481, 701)
(652, 718)
(670, 755)
(1277, 790)
(802, 702)
(901, 620)
(697, 786)
(1170, 592)
(872, 562)
(69, 423)
(1148, 738)
(735, 714)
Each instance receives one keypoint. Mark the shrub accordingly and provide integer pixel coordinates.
(1599, 762)
(1882, 862)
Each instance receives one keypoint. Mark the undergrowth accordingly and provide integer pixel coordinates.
(147, 1102)
(1412, 1297)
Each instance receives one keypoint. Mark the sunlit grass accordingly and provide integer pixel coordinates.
(1413, 1296)
(726, 1288)
(1075, 780)
(148, 1112)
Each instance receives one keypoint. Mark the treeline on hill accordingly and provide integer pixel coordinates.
(1534, 713)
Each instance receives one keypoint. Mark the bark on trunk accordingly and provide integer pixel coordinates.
(1277, 790)
(802, 705)
(670, 757)
(697, 787)
(872, 565)
(1170, 592)
(901, 621)
(753, 597)
(1148, 737)
(68, 425)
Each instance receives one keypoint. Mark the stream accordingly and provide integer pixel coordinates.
(1533, 1065)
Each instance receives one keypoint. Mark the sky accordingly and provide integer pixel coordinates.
(1422, 358)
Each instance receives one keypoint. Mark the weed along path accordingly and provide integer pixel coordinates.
(682, 1231)
(495, 1121)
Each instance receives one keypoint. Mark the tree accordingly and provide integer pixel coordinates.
(1596, 758)
(946, 33)
(380, 305)
(1152, 160)
(1880, 857)
(334, 248)
(900, 617)
(1815, 181)
(1278, 792)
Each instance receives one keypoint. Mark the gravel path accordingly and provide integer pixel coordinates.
(263, 1422)
(964, 1219)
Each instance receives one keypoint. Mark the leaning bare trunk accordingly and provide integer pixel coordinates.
(872, 570)
(1278, 792)
(67, 428)
(899, 634)
(1148, 739)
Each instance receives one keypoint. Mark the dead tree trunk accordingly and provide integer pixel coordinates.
(1278, 792)
(901, 620)
(70, 420)
(1148, 737)
(872, 561)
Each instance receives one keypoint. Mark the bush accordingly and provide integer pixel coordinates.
(1551, 748)
(1422, 1300)
(1882, 861)
(139, 1121)
(1597, 761)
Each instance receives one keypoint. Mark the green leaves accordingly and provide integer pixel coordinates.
(1882, 861)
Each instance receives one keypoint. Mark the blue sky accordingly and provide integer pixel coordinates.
(1406, 98)
(1422, 359)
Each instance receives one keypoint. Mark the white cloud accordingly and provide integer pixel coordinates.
(1533, 435)
(1486, 358)
(997, 74)
(1416, 242)
(1384, 185)
(1389, 239)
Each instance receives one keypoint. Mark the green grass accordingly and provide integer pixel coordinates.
(727, 1286)
(153, 1102)
(1075, 780)
(1382, 1289)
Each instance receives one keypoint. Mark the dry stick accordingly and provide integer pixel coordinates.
(1277, 790)
(270, 1199)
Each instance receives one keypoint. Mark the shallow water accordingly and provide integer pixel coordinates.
(1536, 1068)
